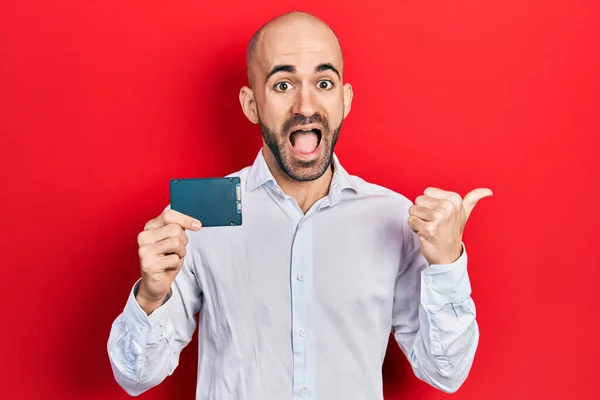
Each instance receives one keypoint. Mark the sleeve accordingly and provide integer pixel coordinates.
(433, 318)
(144, 349)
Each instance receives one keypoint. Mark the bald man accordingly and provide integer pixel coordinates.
(299, 301)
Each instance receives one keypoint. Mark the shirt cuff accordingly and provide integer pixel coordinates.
(446, 283)
(144, 328)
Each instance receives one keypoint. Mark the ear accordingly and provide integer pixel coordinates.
(248, 102)
(348, 94)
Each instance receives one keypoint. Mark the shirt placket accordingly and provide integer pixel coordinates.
(301, 284)
(300, 270)
(301, 290)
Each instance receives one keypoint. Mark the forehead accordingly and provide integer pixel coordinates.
(304, 44)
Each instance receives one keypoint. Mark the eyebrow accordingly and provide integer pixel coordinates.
(280, 68)
(292, 69)
(327, 67)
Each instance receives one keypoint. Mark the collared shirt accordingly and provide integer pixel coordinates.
(300, 306)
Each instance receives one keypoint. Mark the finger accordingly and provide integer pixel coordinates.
(185, 221)
(171, 216)
(473, 197)
(164, 232)
(169, 262)
(170, 245)
(435, 204)
(425, 213)
(437, 193)
(417, 225)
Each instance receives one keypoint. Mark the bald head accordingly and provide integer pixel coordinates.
(287, 30)
(296, 94)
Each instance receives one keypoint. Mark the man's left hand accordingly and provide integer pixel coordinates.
(438, 217)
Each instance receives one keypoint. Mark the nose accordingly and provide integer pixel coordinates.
(305, 103)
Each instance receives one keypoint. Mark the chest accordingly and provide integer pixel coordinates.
(258, 267)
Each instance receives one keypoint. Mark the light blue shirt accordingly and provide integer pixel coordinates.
(300, 306)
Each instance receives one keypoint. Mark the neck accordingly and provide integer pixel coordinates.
(306, 193)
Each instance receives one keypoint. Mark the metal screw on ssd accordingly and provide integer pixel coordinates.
(232, 223)
(175, 181)
(230, 180)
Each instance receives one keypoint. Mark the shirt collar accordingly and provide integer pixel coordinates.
(260, 174)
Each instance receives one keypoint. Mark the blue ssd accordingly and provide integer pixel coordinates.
(213, 201)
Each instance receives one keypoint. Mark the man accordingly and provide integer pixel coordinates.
(299, 301)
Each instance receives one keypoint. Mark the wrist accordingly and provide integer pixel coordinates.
(148, 302)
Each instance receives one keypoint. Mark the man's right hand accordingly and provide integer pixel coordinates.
(161, 250)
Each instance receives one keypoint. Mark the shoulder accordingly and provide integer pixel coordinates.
(241, 173)
(380, 202)
(369, 189)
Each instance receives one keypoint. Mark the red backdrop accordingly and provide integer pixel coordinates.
(102, 102)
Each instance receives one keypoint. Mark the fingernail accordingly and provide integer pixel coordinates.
(196, 224)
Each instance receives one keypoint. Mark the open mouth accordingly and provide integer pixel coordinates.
(305, 141)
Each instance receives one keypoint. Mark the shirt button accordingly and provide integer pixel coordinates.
(144, 329)
(139, 366)
(302, 332)
(278, 191)
(435, 335)
(303, 390)
(428, 279)
(300, 277)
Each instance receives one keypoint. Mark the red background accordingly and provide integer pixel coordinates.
(102, 102)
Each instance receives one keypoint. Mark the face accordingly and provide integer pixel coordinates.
(298, 98)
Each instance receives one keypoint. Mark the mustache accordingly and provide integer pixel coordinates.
(300, 120)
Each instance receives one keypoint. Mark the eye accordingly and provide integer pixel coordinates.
(325, 84)
(283, 86)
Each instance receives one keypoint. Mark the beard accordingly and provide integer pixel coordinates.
(301, 170)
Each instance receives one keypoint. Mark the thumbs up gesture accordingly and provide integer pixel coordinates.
(438, 217)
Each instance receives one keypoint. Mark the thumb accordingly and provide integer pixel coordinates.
(473, 197)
